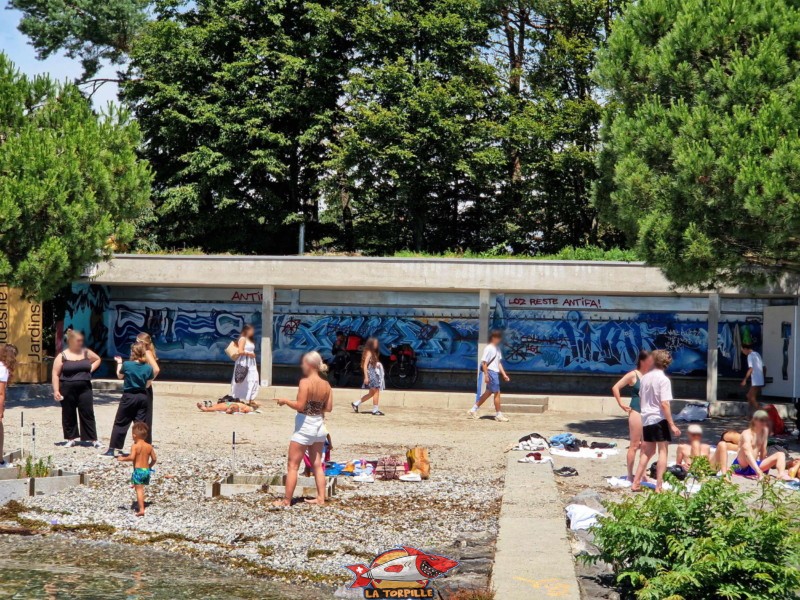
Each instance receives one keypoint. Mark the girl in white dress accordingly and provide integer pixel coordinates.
(245, 382)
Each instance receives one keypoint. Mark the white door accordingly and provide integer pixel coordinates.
(780, 351)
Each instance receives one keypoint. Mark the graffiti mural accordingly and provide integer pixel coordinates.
(609, 342)
(86, 309)
(440, 343)
(180, 331)
(557, 334)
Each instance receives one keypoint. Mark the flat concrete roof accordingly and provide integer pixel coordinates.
(418, 274)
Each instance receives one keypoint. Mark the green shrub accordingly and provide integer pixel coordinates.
(718, 543)
(39, 468)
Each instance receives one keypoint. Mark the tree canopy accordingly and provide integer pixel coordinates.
(437, 126)
(701, 152)
(71, 184)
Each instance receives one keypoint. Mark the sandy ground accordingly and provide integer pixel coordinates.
(462, 497)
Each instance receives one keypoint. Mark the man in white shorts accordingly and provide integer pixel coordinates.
(755, 373)
(490, 373)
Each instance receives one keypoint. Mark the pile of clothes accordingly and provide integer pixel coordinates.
(568, 442)
(415, 467)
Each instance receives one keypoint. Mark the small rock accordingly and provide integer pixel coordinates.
(589, 498)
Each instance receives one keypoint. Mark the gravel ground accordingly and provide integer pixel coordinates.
(194, 448)
(462, 498)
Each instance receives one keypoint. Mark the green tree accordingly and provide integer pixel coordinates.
(71, 184)
(544, 52)
(90, 30)
(701, 149)
(237, 100)
(414, 148)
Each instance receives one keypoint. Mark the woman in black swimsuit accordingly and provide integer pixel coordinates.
(72, 387)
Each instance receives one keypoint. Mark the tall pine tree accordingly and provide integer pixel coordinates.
(702, 146)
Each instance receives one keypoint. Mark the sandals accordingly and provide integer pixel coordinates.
(566, 472)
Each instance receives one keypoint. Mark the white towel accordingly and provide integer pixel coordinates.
(581, 517)
(601, 454)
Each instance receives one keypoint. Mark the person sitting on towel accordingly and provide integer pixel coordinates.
(752, 459)
(696, 447)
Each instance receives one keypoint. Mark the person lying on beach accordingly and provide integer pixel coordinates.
(752, 459)
(731, 437)
(143, 458)
(229, 407)
(696, 447)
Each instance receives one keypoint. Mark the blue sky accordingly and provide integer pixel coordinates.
(16, 46)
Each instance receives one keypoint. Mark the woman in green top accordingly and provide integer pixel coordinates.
(643, 364)
(136, 374)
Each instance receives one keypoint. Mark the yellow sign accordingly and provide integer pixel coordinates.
(21, 325)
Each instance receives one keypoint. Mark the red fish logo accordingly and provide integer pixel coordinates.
(401, 568)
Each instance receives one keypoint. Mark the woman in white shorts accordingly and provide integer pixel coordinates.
(314, 399)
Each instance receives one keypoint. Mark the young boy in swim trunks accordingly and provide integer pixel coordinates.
(143, 458)
(752, 460)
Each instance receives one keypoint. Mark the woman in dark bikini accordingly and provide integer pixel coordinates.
(314, 400)
(643, 364)
(72, 387)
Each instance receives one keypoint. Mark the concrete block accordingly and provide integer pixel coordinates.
(527, 409)
(14, 489)
(58, 480)
(238, 483)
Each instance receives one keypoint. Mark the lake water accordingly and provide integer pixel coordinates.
(55, 567)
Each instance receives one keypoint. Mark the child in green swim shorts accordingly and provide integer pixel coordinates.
(143, 458)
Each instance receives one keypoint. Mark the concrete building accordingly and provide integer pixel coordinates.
(570, 326)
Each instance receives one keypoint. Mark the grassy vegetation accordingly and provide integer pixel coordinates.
(568, 253)
(99, 528)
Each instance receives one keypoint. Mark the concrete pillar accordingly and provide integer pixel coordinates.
(267, 312)
(483, 322)
(713, 353)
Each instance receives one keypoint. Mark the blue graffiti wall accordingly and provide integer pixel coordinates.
(440, 343)
(608, 342)
(542, 334)
(180, 331)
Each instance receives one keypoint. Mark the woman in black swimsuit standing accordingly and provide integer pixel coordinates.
(72, 387)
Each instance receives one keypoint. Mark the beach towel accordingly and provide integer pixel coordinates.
(618, 482)
(480, 382)
(581, 517)
(562, 439)
(585, 453)
(696, 411)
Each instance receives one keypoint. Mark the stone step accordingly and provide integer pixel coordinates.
(524, 399)
(528, 409)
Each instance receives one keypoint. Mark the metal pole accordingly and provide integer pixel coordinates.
(301, 240)
(21, 435)
(33, 441)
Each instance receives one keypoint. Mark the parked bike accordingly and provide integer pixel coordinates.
(403, 370)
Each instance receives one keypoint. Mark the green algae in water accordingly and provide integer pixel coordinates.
(53, 567)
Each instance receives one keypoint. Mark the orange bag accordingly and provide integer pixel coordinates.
(419, 462)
